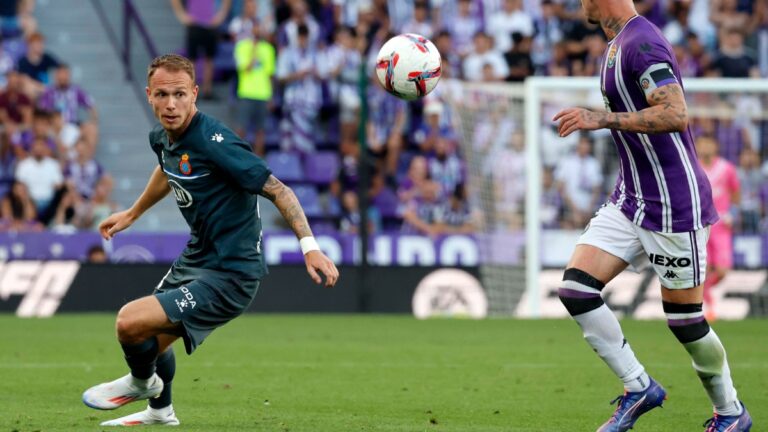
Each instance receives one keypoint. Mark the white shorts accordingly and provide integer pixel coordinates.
(680, 259)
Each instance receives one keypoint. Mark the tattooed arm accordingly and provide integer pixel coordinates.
(668, 112)
(285, 201)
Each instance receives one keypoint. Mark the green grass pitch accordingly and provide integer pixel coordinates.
(370, 373)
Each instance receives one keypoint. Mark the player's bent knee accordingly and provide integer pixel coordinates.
(580, 292)
(686, 320)
(129, 326)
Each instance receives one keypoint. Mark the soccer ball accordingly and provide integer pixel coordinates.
(408, 66)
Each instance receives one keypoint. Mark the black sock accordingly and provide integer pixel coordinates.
(141, 357)
(166, 369)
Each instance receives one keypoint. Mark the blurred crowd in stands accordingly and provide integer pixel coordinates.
(317, 52)
(293, 70)
(48, 135)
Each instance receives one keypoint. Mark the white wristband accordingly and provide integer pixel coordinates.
(308, 244)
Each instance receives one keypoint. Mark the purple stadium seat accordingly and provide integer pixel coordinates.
(285, 166)
(321, 167)
(387, 202)
(309, 199)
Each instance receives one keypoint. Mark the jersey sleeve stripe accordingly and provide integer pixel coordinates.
(666, 209)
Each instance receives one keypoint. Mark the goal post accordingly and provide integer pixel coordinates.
(515, 285)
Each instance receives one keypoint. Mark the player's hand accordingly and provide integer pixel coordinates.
(317, 262)
(575, 119)
(115, 223)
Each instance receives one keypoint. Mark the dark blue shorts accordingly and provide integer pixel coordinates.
(203, 301)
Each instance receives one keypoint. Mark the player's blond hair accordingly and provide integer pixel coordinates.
(172, 63)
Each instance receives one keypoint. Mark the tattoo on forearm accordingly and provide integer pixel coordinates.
(668, 113)
(285, 201)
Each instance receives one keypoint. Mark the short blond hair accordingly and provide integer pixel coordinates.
(173, 63)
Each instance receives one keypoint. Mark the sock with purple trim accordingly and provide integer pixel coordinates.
(709, 360)
(580, 294)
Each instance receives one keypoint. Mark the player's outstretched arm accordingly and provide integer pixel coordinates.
(157, 188)
(285, 201)
(668, 112)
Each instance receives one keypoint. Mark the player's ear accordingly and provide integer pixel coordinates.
(195, 90)
(147, 90)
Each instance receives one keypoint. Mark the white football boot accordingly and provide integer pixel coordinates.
(150, 416)
(111, 395)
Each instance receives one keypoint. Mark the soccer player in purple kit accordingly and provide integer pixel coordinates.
(659, 214)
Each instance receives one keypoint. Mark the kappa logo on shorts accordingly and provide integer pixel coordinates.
(187, 302)
(669, 261)
(670, 275)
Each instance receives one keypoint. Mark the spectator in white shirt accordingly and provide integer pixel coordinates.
(580, 179)
(511, 19)
(300, 16)
(420, 23)
(240, 27)
(484, 54)
(42, 176)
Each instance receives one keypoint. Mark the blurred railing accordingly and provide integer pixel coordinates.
(130, 38)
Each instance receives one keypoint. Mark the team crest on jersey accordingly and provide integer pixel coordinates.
(184, 166)
(612, 56)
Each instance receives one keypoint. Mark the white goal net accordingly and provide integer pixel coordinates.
(535, 201)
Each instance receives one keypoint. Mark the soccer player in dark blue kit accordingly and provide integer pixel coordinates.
(215, 179)
(659, 214)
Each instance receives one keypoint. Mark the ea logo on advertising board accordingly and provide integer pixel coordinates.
(449, 293)
(183, 198)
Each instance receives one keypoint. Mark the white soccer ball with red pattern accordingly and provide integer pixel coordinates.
(408, 66)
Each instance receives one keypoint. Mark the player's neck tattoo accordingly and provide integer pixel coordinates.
(613, 25)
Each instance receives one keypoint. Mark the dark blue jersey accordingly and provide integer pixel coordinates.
(215, 177)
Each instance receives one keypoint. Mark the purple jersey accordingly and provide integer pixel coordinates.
(661, 186)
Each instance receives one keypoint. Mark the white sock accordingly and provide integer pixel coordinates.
(711, 365)
(138, 382)
(603, 332)
(161, 412)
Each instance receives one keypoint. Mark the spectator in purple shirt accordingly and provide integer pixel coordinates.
(385, 128)
(463, 29)
(7, 165)
(409, 188)
(432, 128)
(457, 216)
(423, 214)
(202, 18)
(84, 172)
(445, 166)
(67, 98)
(23, 139)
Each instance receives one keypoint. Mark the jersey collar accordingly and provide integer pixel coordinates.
(632, 18)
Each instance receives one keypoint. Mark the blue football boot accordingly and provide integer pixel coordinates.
(632, 405)
(737, 423)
